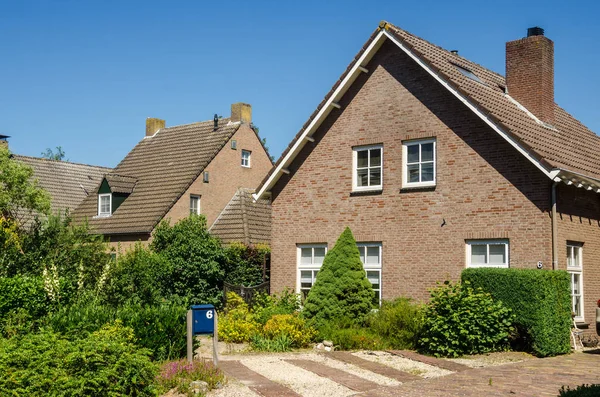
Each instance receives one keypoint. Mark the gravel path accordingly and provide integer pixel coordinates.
(403, 364)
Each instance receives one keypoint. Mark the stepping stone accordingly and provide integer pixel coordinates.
(375, 367)
(255, 381)
(344, 378)
(436, 362)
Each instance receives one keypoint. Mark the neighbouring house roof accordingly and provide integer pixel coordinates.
(120, 183)
(157, 172)
(244, 220)
(67, 183)
(565, 151)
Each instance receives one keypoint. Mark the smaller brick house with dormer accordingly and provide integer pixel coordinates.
(438, 164)
(174, 171)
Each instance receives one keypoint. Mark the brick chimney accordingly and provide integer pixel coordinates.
(530, 73)
(241, 112)
(153, 125)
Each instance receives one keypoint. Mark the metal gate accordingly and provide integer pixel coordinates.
(247, 293)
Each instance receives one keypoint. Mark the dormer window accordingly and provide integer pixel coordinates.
(104, 204)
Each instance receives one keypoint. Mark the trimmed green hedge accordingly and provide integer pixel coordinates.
(541, 301)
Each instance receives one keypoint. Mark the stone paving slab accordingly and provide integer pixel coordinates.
(372, 366)
(255, 381)
(344, 378)
(436, 362)
(533, 378)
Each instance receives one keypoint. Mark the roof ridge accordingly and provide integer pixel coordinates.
(196, 123)
(443, 49)
(60, 161)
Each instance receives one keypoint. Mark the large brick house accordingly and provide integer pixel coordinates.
(437, 164)
(175, 171)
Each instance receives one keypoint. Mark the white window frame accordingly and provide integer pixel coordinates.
(314, 268)
(100, 197)
(576, 269)
(355, 151)
(373, 267)
(405, 145)
(197, 210)
(246, 158)
(487, 243)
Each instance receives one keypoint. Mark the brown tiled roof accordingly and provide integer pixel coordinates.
(244, 220)
(67, 183)
(566, 145)
(164, 165)
(120, 183)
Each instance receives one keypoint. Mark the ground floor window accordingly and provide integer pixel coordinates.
(575, 269)
(487, 253)
(370, 256)
(311, 256)
(310, 259)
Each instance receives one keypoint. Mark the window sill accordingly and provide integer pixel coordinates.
(425, 188)
(373, 192)
(102, 216)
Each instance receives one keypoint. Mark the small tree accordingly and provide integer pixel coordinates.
(20, 195)
(341, 289)
(196, 259)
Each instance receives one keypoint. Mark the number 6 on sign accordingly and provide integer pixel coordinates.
(209, 314)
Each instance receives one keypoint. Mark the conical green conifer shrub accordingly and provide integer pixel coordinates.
(341, 289)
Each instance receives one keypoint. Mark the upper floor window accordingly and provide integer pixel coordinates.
(246, 158)
(310, 259)
(104, 204)
(487, 253)
(418, 163)
(370, 256)
(575, 269)
(194, 204)
(368, 167)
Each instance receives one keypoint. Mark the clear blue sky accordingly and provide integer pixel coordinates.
(85, 74)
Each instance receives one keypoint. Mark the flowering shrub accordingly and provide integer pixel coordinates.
(292, 326)
(598, 302)
(180, 374)
(237, 325)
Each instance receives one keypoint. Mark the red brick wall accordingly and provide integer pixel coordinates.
(485, 188)
(579, 221)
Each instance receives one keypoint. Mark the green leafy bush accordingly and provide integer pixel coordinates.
(460, 320)
(244, 264)
(23, 292)
(160, 328)
(346, 335)
(105, 363)
(196, 260)
(292, 326)
(281, 343)
(540, 300)
(138, 276)
(179, 374)
(266, 306)
(399, 322)
(341, 288)
(580, 391)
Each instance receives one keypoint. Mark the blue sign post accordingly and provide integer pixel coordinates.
(202, 320)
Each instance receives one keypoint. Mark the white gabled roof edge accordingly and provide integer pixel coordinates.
(325, 110)
(350, 77)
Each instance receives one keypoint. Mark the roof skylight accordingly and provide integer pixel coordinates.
(468, 73)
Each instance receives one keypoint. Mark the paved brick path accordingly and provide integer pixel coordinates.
(375, 367)
(529, 378)
(344, 378)
(255, 381)
(436, 362)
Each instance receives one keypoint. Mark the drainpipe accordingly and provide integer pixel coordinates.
(554, 229)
